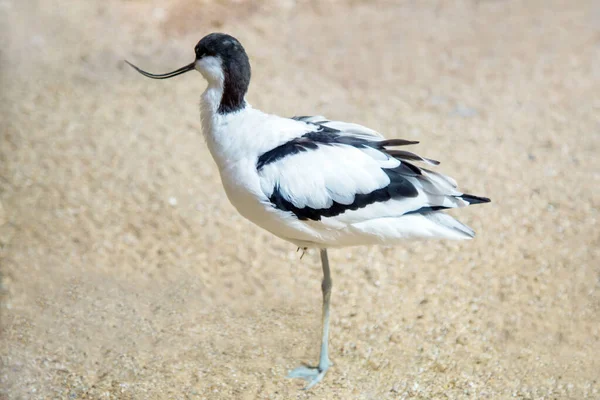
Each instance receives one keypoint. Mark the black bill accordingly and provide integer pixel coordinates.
(179, 71)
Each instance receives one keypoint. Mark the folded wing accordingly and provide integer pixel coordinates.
(341, 173)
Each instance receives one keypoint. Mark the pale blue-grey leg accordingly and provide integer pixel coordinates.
(314, 375)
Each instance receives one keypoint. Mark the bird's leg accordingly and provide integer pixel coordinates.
(326, 285)
(314, 375)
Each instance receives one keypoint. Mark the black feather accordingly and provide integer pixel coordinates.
(396, 142)
(407, 155)
(474, 199)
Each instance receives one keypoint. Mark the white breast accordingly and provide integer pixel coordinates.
(235, 141)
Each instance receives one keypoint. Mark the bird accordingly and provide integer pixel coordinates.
(315, 182)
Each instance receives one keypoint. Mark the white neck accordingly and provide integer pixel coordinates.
(209, 105)
(218, 129)
(211, 69)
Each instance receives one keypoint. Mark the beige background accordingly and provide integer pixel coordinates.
(127, 274)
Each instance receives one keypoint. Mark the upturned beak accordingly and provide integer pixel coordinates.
(179, 71)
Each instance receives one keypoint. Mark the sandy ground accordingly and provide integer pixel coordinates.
(126, 273)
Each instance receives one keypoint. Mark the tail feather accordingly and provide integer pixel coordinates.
(474, 199)
(446, 221)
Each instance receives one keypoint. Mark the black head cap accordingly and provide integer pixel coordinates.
(236, 68)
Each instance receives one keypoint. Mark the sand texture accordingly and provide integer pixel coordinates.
(126, 274)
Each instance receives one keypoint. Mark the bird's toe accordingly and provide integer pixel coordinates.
(312, 375)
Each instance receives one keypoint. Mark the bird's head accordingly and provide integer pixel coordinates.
(223, 62)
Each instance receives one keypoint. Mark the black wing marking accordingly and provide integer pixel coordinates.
(399, 187)
(324, 135)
